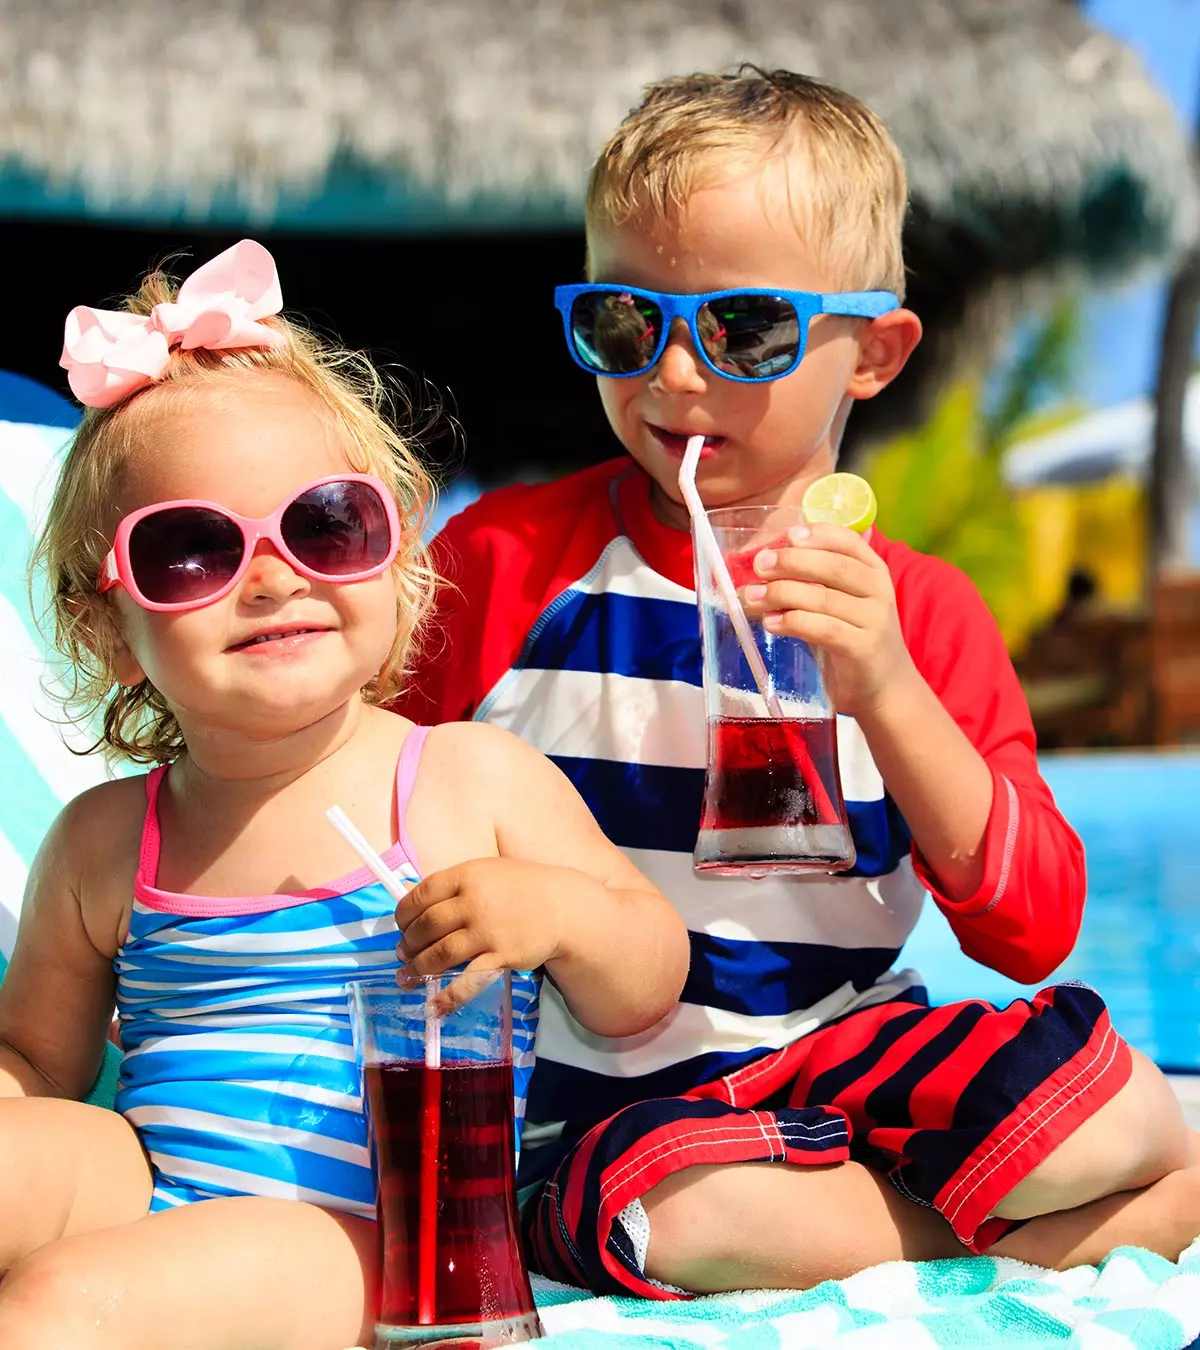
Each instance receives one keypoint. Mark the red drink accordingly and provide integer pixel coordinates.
(773, 798)
(472, 1240)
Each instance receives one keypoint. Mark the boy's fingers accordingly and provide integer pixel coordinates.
(820, 630)
(812, 597)
(839, 571)
(837, 539)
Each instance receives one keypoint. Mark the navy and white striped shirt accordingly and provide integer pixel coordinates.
(573, 627)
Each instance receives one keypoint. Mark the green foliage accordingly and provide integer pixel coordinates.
(941, 491)
(941, 488)
(1042, 368)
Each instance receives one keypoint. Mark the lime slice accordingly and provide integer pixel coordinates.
(840, 499)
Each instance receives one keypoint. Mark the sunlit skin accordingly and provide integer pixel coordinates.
(768, 441)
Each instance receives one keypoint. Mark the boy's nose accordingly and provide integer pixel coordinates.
(680, 369)
(270, 576)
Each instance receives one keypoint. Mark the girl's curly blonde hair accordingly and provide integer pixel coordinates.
(137, 723)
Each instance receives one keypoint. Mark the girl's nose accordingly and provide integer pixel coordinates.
(270, 576)
(680, 369)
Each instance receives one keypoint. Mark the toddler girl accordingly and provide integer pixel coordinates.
(237, 581)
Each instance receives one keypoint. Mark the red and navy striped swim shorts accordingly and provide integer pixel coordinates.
(956, 1104)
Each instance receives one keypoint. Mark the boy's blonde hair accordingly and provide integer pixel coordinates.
(852, 186)
(351, 394)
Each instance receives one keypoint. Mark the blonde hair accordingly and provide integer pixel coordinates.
(854, 187)
(137, 723)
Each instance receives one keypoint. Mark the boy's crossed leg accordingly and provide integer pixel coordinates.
(1133, 1140)
(981, 1116)
(758, 1226)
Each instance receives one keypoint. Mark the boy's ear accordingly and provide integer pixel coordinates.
(101, 634)
(885, 345)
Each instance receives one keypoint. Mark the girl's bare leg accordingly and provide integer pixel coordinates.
(224, 1274)
(67, 1168)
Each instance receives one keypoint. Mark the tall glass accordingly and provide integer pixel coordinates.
(772, 793)
(439, 1090)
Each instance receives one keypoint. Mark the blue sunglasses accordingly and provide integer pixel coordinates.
(752, 335)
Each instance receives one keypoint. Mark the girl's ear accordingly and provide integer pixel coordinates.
(99, 631)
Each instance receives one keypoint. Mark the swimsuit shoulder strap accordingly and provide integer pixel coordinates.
(406, 775)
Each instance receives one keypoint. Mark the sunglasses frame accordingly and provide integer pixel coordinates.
(118, 570)
(807, 304)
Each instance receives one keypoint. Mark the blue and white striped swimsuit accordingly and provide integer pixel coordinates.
(239, 1072)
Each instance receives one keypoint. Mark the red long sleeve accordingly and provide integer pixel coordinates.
(509, 555)
(501, 561)
(1024, 918)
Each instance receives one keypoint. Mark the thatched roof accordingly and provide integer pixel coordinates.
(1036, 144)
(428, 113)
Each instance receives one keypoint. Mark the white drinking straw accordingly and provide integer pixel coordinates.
(710, 552)
(387, 879)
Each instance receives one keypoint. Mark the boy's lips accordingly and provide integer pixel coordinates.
(675, 442)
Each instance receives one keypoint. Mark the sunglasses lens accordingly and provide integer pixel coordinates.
(754, 337)
(184, 553)
(338, 529)
(614, 332)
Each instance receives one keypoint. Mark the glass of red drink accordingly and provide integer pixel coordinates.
(772, 794)
(436, 1058)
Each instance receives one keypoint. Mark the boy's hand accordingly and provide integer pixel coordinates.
(487, 914)
(830, 588)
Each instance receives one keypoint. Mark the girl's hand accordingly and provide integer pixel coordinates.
(487, 914)
(546, 889)
(831, 589)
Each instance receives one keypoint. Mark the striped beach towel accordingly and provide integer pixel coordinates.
(38, 773)
(1133, 1301)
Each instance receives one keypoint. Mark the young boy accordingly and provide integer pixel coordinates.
(572, 621)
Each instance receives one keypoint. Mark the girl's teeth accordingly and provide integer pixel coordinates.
(274, 637)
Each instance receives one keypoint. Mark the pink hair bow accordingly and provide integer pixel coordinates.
(110, 354)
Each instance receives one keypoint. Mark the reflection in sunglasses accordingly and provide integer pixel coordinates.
(624, 335)
(757, 334)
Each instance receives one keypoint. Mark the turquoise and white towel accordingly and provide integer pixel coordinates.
(1133, 1301)
(38, 774)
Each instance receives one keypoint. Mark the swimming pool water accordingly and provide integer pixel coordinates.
(1139, 818)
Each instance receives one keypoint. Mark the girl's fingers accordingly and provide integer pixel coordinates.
(432, 890)
(430, 927)
(455, 949)
(478, 975)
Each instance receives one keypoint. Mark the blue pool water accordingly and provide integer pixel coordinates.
(1139, 818)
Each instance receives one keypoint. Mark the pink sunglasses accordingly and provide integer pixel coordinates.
(185, 554)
